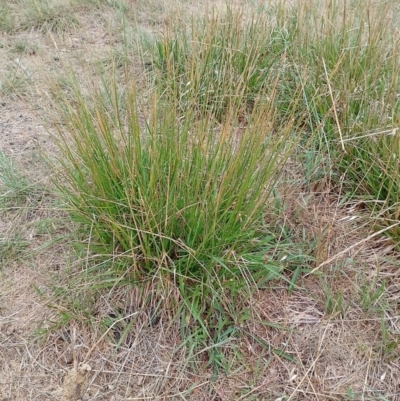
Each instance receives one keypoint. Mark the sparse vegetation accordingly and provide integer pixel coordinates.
(48, 15)
(12, 247)
(15, 83)
(6, 19)
(13, 187)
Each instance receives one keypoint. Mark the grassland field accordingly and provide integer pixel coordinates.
(199, 200)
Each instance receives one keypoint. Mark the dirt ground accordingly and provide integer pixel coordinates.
(334, 337)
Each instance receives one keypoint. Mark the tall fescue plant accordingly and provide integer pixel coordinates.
(173, 198)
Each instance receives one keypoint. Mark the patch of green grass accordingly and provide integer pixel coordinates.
(14, 83)
(220, 62)
(48, 15)
(20, 46)
(17, 80)
(344, 63)
(335, 303)
(6, 18)
(336, 73)
(24, 46)
(174, 199)
(14, 193)
(347, 65)
(12, 248)
(14, 189)
(372, 163)
(371, 294)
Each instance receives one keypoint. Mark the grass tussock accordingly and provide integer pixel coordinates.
(356, 66)
(173, 198)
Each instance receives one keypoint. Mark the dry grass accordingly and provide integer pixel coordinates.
(333, 337)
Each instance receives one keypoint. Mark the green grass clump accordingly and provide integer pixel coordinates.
(344, 63)
(219, 62)
(14, 192)
(174, 192)
(172, 198)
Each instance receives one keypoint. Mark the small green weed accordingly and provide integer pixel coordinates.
(334, 302)
(15, 83)
(20, 46)
(371, 294)
(12, 248)
(13, 187)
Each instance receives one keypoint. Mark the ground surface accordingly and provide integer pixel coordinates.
(337, 333)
